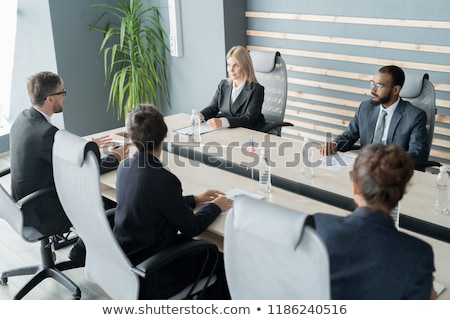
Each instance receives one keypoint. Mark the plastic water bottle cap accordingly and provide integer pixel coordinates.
(442, 169)
(194, 111)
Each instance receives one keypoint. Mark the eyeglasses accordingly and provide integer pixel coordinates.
(64, 93)
(378, 85)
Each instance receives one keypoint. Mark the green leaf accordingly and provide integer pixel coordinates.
(134, 48)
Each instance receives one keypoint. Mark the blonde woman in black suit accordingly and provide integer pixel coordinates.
(238, 99)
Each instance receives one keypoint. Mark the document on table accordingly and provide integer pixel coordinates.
(438, 287)
(232, 194)
(204, 128)
(337, 161)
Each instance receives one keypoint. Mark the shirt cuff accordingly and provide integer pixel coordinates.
(225, 122)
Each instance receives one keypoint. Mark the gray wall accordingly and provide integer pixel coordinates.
(76, 52)
(209, 29)
(327, 78)
(332, 49)
(53, 35)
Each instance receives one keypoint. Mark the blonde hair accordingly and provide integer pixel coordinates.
(245, 62)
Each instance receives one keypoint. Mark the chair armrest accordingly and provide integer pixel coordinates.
(273, 125)
(5, 171)
(431, 163)
(165, 256)
(34, 195)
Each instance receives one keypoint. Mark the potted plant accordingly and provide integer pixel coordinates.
(133, 51)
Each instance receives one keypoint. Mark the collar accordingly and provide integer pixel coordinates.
(149, 160)
(374, 215)
(391, 109)
(46, 116)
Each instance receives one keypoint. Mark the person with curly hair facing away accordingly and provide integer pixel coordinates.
(369, 257)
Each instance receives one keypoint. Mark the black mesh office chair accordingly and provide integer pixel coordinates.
(270, 71)
(12, 212)
(419, 90)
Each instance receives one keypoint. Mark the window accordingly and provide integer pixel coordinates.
(8, 18)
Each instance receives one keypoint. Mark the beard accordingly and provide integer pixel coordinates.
(381, 100)
(58, 108)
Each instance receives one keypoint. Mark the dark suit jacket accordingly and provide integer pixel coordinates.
(150, 211)
(246, 109)
(370, 259)
(407, 129)
(31, 144)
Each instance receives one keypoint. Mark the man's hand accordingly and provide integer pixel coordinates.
(215, 122)
(328, 148)
(120, 152)
(102, 141)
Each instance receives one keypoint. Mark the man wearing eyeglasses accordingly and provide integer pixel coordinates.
(31, 142)
(386, 118)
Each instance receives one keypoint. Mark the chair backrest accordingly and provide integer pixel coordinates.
(419, 90)
(270, 253)
(77, 180)
(270, 71)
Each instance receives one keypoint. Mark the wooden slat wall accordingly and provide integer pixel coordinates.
(324, 89)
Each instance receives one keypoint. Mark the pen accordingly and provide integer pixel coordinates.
(120, 145)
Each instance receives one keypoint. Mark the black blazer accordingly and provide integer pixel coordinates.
(370, 259)
(31, 144)
(246, 109)
(150, 213)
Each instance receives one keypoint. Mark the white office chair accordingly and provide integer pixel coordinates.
(272, 253)
(419, 90)
(77, 180)
(270, 71)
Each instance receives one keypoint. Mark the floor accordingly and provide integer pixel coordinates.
(15, 252)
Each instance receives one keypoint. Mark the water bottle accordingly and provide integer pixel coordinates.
(195, 126)
(307, 153)
(264, 173)
(442, 191)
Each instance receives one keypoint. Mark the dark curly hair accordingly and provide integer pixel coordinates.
(382, 174)
(146, 128)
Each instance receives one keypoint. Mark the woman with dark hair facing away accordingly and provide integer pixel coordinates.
(152, 214)
(239, 98)
(369, 257)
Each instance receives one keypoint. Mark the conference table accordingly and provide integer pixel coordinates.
(222, 162)
(227, 148)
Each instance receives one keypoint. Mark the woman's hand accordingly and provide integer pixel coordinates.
(120, 152)
(208, 195)
(223, 203)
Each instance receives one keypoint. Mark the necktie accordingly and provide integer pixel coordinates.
(380, 127)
